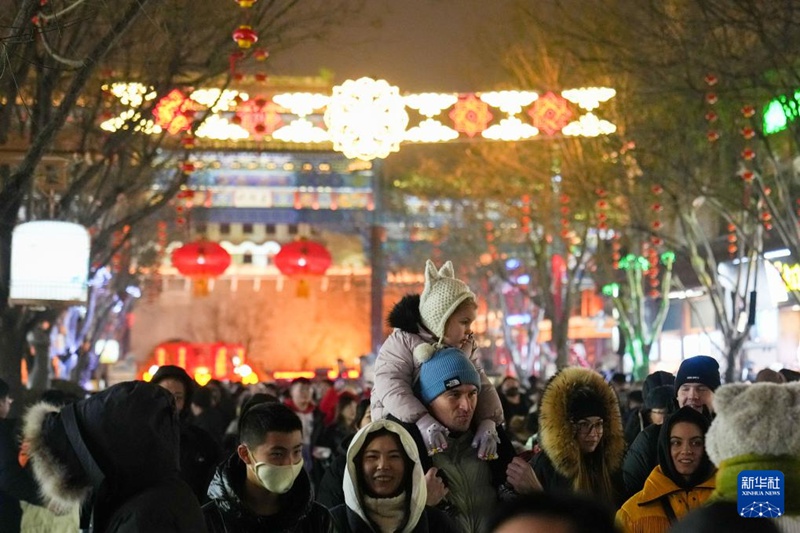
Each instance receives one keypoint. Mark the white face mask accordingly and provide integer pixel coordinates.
(274, 478)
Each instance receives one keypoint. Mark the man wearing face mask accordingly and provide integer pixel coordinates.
(263, 486)
(514, 402)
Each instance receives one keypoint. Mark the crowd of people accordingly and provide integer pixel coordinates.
(433, 445)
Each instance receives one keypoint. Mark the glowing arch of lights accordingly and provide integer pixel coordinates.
(367, 119)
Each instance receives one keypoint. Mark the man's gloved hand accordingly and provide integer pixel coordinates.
(433, 434)
(486, 440)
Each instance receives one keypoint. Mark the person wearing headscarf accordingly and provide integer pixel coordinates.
(682, 481)
(385, 488)
(580, 431)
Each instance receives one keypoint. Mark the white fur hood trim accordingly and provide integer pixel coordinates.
(60, 495)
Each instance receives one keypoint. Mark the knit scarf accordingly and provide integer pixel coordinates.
(729, 470)
(386, 513)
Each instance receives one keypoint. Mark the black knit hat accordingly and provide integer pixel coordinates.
(660, 397)
(658, 378)
(583, 403)
(698, 369)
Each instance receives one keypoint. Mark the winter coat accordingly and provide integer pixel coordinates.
(331, 491)
(559, 460)
(645, 511)
(396, 370)
(228, 513)
(121, 447)
(200, 454)
(352, 517)
(640, 460)
(16, 483)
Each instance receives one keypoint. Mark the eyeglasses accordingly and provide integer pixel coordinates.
(584, 427)
(658, 411)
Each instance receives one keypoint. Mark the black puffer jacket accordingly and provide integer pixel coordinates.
(121, 446)
(16, 483)
(227, 513)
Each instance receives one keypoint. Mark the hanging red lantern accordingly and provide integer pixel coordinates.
(245, 36)
(303, 257)
(201, 260)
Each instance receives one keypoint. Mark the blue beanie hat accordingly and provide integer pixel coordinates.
(447, 369)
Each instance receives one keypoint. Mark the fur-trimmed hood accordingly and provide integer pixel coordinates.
(405, 314)
(114, 443)
(556, 434)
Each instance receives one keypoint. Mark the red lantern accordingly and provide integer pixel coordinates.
(303, 257)
(245, 36)
(201, 260)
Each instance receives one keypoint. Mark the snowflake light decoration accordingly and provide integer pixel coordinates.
(366, 118)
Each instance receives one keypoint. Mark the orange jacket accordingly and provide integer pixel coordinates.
(644, 511)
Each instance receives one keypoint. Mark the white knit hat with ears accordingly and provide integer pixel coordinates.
(442, 295)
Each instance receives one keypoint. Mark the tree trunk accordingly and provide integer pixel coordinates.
(560, 341)
(734, 369)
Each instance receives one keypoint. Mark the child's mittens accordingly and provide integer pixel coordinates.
(486, 440)
(433, 434)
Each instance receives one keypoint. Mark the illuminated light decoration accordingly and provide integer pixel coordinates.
(712, 136)
(201, 260)
(259, 117)
(510, 129)
(429, 105)
(202, 376)
(589, 125)
(711, 116)
(589, 98)
(550, 113)
(470, 115)
(245, 36)
(292, 375)
(711, 80)
(302, 131)
(510, 102)
(245, 3)
(188, 141)
(215, 99)
(260, 54)
(748, 154)
(712, 98)
(130, 94)
(634, 261)
(126, 118)
(430, 131)
(366, 118)
(748, 111)
(49, 263)
(611, 290)
(779, 112)
(174, 112)
(301, 104)
(748, 132)
(217, 128)
(303, 258)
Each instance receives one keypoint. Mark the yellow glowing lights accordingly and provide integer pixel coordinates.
(301, 104)
(589, 98)
(366, 118)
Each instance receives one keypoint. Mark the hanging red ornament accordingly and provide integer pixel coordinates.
(712, 136)
(245, 36)
(564, 199)
(187, 167)
(657, 189)
(748, 175)
(564, 233)
(564, 210)
(748, 132)
(766, 216)
(657, 208)
(711, 80)
(767, 191)
(657, 241)
(732, 248)
(602, 204)
(303, 257)
(748, 111)
(748, 154)
(602, 217)
(657, 224)
(712, 116)
(711, 98)
(654, 294)
(188, 141)
(768, 226)
(260, 54)
(732, 238)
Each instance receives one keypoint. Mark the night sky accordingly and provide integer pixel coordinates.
(418, 45)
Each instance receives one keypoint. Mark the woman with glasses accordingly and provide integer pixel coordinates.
(682, 481)
(580, 433)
